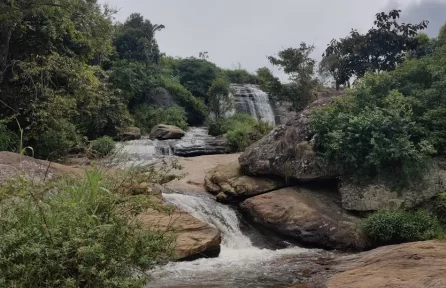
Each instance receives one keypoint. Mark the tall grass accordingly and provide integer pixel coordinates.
(76, 233)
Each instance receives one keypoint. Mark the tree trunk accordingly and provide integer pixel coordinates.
(337, 85)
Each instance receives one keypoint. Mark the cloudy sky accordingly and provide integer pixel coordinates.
(245, 32)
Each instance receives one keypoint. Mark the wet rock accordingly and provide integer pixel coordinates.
(131, 133)
(377, 195)
(198, 142)
(228, 182)
(287, 151)
(312, 216)
(411, 265)
(194, 238)
(164, 132)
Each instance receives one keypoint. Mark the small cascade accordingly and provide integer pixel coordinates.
(251, 100)
(240, 264)
(218, 215)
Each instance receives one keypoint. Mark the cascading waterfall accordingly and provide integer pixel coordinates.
(240, 263)
(251, 100)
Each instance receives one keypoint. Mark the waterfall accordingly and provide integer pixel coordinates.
(251, 100)
(240, 264)
(218, 215)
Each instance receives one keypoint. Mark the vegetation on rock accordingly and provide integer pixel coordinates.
(395, 227)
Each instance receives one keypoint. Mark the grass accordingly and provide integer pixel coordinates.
(74, 232)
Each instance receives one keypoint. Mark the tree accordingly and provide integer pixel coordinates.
(197, 75)
(220, 100)
(299, 66)
(382, 48)
(135, 40)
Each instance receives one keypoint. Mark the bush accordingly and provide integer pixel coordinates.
(224, 125)
(366, 135)
(195, 108)
(8, 140)
(241, 130)
(103, 146)
(56, 141)
(75, 233)
(147, 117)
(394, 227)
(440, 208)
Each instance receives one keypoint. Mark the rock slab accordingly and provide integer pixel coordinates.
(229, 184)
(410, 265)
(377, 195)
(310, 216)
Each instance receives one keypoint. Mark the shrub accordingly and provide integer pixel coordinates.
(147, 117)
(224, 125)
(440, 208)
(75, 233)
(8, 140)
(195, 108)
(394, 227)
(103, 146)
(241, 130)
(365, 136)
(56, 141)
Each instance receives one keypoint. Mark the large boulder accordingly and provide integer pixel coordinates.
(287, 151)
(377, 195)
(131, 133)
(310, 216)
(229, 184)
(164, 132)
(411, 265)
(193, 238)
(13, 164)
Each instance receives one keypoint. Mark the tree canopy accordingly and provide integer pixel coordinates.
(382, 48)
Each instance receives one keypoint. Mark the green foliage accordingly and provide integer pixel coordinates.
(8, 140)
(135, 40)
(367, 140)
(240, 76)
(56, 141)
(382, 48)
(440, 208)
(241, 137)
(75, 233)
(102, 146)
(394, 227)
(220, 100)
(197, 76)
(241, 130)
(224, 125)
(195, 108)
(298, 64)
(147, 117)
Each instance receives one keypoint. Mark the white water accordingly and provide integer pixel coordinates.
(251, 100)
(240, 263)
(144, 151)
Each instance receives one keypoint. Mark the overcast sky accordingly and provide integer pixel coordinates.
(247, 31)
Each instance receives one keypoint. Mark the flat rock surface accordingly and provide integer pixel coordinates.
(411, 265)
